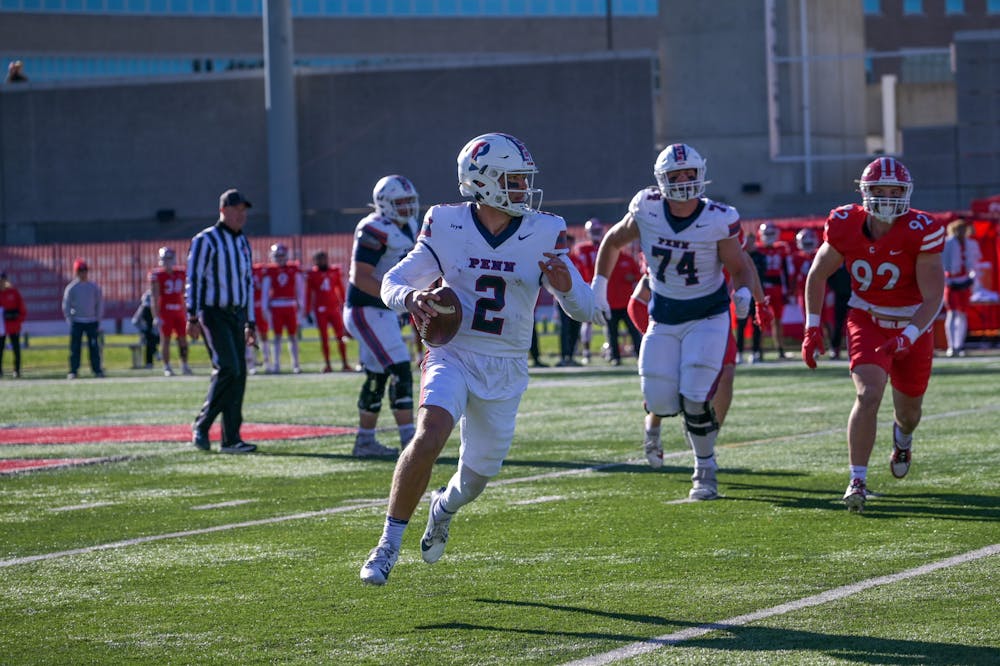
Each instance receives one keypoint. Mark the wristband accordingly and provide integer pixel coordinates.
(911, 332)
(812, 321)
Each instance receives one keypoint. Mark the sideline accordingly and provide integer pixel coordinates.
(667, 640)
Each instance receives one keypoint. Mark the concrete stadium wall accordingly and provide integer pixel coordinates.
(96, 162)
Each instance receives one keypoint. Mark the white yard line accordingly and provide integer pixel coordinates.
(667, 640)
(221, 505)
(364, 504)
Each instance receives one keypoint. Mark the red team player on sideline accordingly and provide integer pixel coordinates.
(166, 287)
(262, 327)
(806, 245)
(282, 295)
(893, 255)
(585, 260)
(777, 255)
(324, 301)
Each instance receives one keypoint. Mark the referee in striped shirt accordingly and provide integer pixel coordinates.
(219, 300)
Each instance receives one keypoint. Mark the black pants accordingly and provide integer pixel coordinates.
(150, 341)
(15, 346)
(223, 331)
(76, 333)
(569, 335)
(617, 317)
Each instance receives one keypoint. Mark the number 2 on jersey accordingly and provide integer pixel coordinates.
(495, 303)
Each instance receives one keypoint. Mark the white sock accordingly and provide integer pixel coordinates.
(901, 439)
(859, 472)
(406, 433)
(392, 531)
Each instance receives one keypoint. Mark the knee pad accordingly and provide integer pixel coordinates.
(401, 386)
(370, 399)
(699, 417)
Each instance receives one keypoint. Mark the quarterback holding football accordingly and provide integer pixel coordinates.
(494, 253)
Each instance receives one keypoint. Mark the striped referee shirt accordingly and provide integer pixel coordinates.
(219, 271)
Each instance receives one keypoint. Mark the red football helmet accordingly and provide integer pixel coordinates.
(886, 172)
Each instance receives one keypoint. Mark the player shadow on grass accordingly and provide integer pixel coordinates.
(749, 639)
(447, 461)
(884, 503)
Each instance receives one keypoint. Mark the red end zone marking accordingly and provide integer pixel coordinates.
(157, 433)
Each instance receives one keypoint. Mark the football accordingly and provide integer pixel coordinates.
(441, 329)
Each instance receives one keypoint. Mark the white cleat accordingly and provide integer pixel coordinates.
(381, 560)
(855, 496)
(168, 371)
(654, 450)
(899, 460)
(435, 537)
(704, 485)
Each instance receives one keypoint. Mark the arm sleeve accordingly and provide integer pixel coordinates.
(417, 271)
(578, 302)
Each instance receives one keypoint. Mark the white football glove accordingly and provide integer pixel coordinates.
(741, 299)
(602, 311)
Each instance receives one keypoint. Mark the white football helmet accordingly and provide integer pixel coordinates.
(279, 253)
(396, 198)
(806, 240)
(483, 166)
(167, 256)
(594, 229)
(886, 171)
(674, 158)
(768, 234)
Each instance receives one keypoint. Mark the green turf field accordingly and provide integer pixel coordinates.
(577, 552)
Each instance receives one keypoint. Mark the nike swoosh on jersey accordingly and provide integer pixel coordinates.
(524, 236)
(895, 252)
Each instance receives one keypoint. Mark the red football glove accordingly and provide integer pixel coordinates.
(765, 315)
(812, 346)
(897, 347)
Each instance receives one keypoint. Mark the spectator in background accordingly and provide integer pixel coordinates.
(144, 323)
(83, 307)
(758, 261)
(584, 260)
(15, 72)
(324, 303)
(960, 256)
(838, 295)
(624, 277)
(12, 315)
(569, 328)
(166, 288)
(219, 300)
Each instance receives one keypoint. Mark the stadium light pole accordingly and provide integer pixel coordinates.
(282, 134)
(607, 25)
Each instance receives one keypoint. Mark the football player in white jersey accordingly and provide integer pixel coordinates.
(494, 253)
(687, 239)
(381, 240)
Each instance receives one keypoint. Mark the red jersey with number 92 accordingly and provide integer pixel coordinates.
(883, 271)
